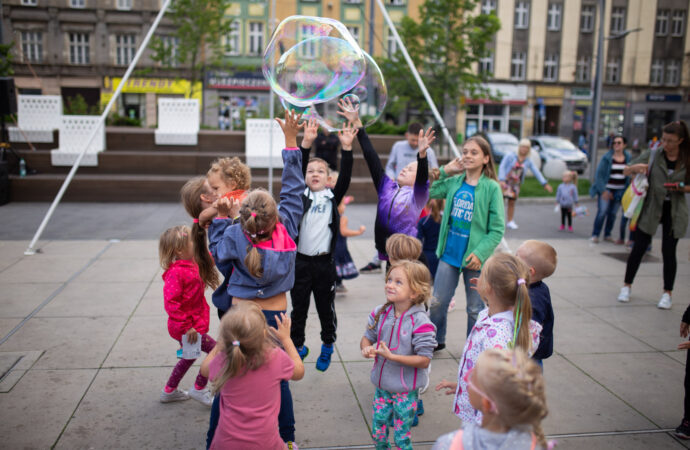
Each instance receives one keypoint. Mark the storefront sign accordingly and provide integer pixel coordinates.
(549, 91)
(510, 94)
(578, 93)
(240, 81)
(138, 85)
(663, 98)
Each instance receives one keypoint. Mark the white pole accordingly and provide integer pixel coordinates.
(431, 103)
(271, 106)
(30, 250)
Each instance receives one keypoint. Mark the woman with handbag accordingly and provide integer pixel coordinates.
(669, 181)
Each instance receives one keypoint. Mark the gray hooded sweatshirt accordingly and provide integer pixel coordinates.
(410, 334)
(476, 438)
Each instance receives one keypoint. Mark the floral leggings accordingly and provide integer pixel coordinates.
(397, 408)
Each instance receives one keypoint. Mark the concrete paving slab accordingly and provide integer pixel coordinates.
(133, 249)
(593, 335)
(649, 382)
(14, 366)
(620, 442)
(579, 404)
(7, 325)
(584, 291)
(119, 270)
(152, 301)
(69, 343)
(44, 269)
(144, 342)
(121, 410)
(647, 290)
(678, 355)
(73, 248)
(327, 394)
(90, 299)
(19, 299)
(35, 411)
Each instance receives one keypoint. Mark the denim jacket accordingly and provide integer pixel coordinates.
(229, 243)
(604, 172)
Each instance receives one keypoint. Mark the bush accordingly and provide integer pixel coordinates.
(77, 106)
(122, 121)
(385, 128)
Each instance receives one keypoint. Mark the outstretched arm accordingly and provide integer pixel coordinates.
(290, 206)
(310, 132)
(370, 156)
(346, 136)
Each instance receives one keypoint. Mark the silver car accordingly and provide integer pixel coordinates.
(554, 147)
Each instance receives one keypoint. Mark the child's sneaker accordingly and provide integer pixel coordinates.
(561, 228)
(683, 430)
(570, 229)
(324, 358)
(624, 295)
(201, 395)
(340, 289)
(177, 395)
(291, 445)
(664, 301)
(371, 268)
(512, 225)
(303, 351)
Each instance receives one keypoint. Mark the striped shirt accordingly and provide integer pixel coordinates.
(616, 177)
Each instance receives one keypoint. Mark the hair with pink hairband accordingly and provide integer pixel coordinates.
(253, 214)
(195, 220)
(520, 281)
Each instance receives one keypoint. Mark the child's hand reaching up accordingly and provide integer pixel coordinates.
(228, 207)
(454, 167)
(425, 140)
(347, 135)
(448, 386)
(311, 130)
(291, 127)
(348, 111)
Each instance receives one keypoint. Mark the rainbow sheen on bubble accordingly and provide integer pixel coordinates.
(352, 102)
(311, 59)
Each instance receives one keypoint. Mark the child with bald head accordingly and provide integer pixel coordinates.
(541, 259)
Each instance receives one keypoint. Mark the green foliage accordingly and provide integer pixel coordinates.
(444, 44)
(532, 188)
(386, 128)
(122, 121)
(200, 28)
(77, 106)
(6, 57)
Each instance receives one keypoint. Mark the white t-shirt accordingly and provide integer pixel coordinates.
(315, 234)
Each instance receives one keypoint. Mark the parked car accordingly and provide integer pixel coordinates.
(502, 143)
(555, 147)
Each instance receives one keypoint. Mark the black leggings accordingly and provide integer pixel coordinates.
(567, 213)
(686, 412)
(668, 250)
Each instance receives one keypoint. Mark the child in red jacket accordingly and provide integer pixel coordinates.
(188, 312)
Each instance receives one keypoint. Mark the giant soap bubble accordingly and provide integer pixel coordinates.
(313, 62)
(311, 59)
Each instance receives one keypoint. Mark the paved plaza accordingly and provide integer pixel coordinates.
(84, 348)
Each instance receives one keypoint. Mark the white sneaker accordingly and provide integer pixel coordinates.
(177, 395)
(664, 302)
(202, 396)
(512, 225)
(624, 295)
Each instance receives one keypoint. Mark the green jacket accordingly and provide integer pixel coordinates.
(650, 217)
(488, 217)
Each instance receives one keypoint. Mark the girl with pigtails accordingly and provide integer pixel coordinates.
(260, 245)
(504, 323)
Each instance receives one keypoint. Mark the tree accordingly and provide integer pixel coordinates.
(444, 44)
(200, 29)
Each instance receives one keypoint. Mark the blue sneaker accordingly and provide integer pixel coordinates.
(325, 357)
(303, 351)
(420, 408)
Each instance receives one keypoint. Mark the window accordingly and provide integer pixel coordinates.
(125, 48)
(256, 38)
(307, 48)
(486, 64)
(77, 3)
(517, 66)
(32, 46)
(661, 27)
(553, 21)
(79, 48)
(672, 73)
(521, 15)
(617, 20)
(170, 45)
(583, 70)
(613, 71)
(354, 31)
(656, 76)
(124, 4)
(488, 6)
(396, 2)
(232, 41)
(587, 19)
(551, 67)
(391, 44)
(678, 23)
(29, 2)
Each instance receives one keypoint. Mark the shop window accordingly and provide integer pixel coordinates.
(661, 26)
(32, 46)
(678, 23)
(617, 20)
(587, 18)
(553, 22)
(517, 66)
(551, 67)
(79, 48)
(521, 15)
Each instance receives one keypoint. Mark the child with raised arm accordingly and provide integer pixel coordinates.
(261, 247)
(246, 369)
(400, 201)
(400, 338)
(318, 229)
(505, 323)
(509, 390)
(541, 258)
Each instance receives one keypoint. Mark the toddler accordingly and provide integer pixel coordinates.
(344, 266)
(541, 259)
(566, 197)
(429, 228)
(505, 323)
(229, 178)
(400, 338)
(508, 388)
(188, 312)
(246, 369)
